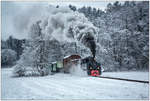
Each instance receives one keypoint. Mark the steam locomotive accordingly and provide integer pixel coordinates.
(93, 67)
(90, 65)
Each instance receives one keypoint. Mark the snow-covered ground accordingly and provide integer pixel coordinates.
(67, 86)
(129, 75)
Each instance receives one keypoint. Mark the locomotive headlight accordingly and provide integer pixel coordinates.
(97, 67)
(90, 67)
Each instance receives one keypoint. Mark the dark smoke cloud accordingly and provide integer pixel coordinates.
(93, 47)
(89, 41)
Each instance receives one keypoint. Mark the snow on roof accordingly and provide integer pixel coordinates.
(53, 62)
(67, 56)
(75, 59)
(70, 55)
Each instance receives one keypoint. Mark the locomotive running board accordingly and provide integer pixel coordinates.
(140, 81)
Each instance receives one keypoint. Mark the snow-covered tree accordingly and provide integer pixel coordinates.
(35, 53)
(123, 33)
(125, 28)
(8, 57)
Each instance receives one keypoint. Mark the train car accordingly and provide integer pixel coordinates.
(56, 66)
(93, 68)
(65, 64)
(69, 61)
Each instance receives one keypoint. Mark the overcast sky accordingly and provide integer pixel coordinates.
(15, 12)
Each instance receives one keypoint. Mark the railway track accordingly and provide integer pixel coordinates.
(131, 80)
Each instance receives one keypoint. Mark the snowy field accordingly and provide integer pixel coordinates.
(129, 75)
(67, 86)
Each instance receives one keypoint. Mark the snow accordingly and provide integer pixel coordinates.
(76, 70)
(67, 56)
(129, 75)
(69, 86)
(54, 62)
(70, 55)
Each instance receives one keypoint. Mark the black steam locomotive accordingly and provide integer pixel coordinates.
(92, 66)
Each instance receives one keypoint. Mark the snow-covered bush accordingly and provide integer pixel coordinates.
(19, 70)
(8, 57)
(24, 63)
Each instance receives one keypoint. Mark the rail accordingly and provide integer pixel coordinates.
(131, 80)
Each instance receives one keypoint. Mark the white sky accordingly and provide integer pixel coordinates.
(23, 10)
